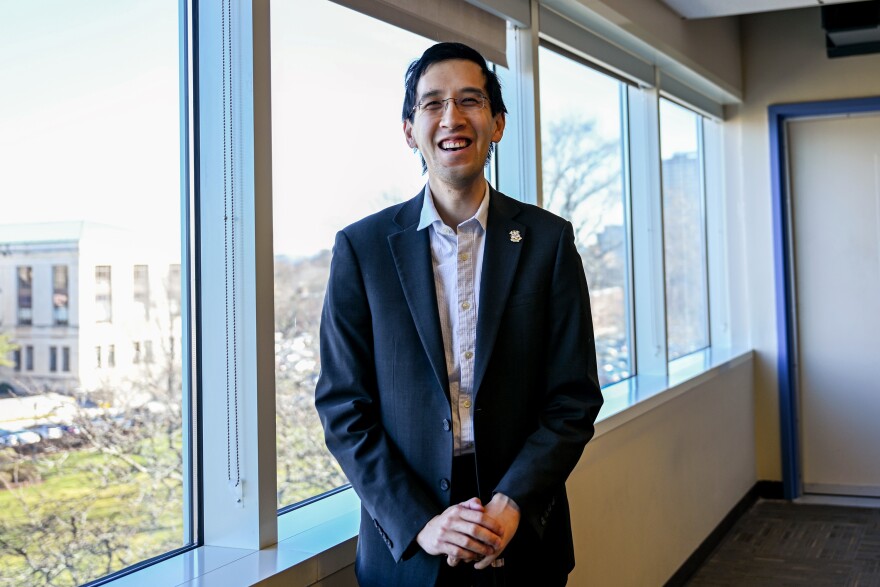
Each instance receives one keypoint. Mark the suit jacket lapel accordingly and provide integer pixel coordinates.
(411, 250)
(500, 260)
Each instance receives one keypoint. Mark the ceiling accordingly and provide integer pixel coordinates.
(712, 8)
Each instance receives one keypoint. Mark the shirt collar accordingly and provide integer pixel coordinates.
(430, 215)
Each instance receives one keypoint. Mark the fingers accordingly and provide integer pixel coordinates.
(473, 503)
(485, 561)
(461, 533)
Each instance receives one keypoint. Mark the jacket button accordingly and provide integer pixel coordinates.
(446, 425)
(444, 484)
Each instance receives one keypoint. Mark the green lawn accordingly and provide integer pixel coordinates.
(92, 514)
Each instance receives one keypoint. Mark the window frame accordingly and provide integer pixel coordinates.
(549, 44)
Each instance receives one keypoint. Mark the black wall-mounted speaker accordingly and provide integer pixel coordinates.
(852, 28)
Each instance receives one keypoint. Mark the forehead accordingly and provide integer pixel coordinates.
(451, 75)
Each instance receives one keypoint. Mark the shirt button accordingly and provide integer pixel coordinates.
(468, 355)
(466, 403)
(446, 426)
(463, 257)
(465, 305)
(444, 484)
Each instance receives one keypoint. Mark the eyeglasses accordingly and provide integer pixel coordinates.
(436, 106)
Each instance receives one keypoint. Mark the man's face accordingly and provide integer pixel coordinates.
(454, 142)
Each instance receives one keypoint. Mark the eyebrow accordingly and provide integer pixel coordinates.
(467, 90)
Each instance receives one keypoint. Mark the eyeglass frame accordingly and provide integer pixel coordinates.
(484, 101)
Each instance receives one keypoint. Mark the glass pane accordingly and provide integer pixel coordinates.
(582, 159)
(354, 66)
(91, 479)
(684, 236)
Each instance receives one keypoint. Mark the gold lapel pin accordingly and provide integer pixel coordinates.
(515, 236)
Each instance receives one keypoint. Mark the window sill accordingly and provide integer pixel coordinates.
(320, 539)
(629, 399)
(314, 542)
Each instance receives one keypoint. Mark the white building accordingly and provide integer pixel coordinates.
(93, 309)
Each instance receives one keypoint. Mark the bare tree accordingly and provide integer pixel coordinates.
(305, 466)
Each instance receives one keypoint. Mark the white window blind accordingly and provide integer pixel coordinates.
(442, 20)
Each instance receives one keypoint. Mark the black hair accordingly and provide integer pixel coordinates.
(446, 52)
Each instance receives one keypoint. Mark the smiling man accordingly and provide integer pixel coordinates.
(458, 385)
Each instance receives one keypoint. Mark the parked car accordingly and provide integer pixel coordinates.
(48, 431)
(18, 437)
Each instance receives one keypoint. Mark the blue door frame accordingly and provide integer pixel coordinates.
(779, 114)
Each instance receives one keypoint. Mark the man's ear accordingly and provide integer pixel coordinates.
(500, 121)
(407, 132)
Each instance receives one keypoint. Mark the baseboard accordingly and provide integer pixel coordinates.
(760, 490)
(770, 489)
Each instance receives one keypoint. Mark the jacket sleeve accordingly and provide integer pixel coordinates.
(347, 401)
(571, 400)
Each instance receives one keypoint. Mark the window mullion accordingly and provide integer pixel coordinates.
(519, 154)
(237, 356)
(649, 286)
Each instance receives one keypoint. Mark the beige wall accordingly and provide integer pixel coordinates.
(647, 493)
(783, 61)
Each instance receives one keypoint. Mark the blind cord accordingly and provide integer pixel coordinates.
(229, 218)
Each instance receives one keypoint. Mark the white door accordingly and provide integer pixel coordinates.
(834, 167)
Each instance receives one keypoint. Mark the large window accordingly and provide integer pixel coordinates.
(313, 200)
(583, 181)
(90, 145)
(684, 230)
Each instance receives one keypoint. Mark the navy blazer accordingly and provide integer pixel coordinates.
(383, 392)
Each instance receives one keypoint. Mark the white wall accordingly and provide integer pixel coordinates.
(647, 493)
(783, 61)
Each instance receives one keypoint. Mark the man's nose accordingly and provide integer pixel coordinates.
(452, 116)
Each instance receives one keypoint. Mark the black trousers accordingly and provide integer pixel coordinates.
(519, 570)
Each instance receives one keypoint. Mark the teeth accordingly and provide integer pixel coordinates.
(459, 144)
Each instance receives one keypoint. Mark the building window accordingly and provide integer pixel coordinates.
(65, 359)
(142, 290)
(103, 294)
(583, 181)
(98, 357)
(684, 230)
(60, 295)
(53, 359)
(25, 295)
(16, 359)
(136, 352)
(29, 358)
(111, 355)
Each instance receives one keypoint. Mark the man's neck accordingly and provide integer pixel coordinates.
(456, 204)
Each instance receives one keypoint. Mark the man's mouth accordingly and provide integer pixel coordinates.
(455, 144)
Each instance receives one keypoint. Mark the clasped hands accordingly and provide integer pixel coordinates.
(471, 532)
